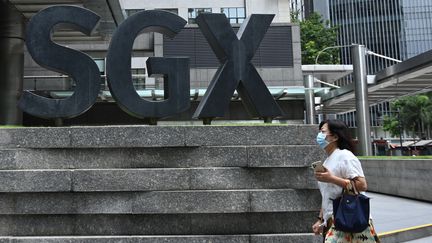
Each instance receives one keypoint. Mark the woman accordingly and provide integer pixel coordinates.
(341, 167)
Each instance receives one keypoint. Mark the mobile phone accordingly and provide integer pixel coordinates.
(317, 166)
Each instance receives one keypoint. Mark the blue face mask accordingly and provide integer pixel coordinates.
(321, 140)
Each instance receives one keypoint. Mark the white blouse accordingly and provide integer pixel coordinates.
(341, 163)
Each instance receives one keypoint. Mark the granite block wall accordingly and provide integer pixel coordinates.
(158, 184)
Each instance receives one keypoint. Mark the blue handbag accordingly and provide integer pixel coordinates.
(351, 211)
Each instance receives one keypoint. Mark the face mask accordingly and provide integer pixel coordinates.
(321, 140)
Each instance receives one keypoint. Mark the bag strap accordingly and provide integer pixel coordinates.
(350, 188)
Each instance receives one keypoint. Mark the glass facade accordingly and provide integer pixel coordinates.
(399, 29)
(194, 12)
(395, 28)
(234, 15)
(417, 27)
(376, 24)
(377, 113)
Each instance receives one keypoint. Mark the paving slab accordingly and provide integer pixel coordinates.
(394, 213)
(422, 240)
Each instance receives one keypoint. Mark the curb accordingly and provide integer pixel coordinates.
(406, 234)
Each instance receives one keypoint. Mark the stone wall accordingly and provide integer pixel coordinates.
(406, 178)
(158, 184)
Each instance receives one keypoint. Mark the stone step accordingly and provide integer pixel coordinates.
(157, 224)
(156, 136)
(158, 184)
(173, 157)
(167, 179)
(161, 202)
(269, 238)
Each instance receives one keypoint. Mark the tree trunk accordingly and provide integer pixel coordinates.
(422, 129)
(427, 129)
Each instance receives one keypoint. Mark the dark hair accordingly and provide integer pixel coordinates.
(340, 129)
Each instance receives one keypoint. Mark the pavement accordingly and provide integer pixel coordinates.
(422, 240)
(400, 219)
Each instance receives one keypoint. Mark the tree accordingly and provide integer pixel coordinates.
(415, 116)
(391, 124)
(315, 35)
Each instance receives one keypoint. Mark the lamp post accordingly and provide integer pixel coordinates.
(309, 99)
(327, 48)
(358, 55)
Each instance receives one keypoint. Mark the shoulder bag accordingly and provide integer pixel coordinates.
(351, 210)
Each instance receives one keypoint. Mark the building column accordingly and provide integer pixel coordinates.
(358, 54)
(309, 98)
(11, 63)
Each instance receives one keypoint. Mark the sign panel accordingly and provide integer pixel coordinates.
(233, 51)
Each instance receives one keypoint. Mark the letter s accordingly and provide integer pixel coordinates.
(54, 57)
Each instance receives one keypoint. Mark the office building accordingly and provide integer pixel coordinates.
(394, 28)
(277, 60)
(234, 9)
(399, 29)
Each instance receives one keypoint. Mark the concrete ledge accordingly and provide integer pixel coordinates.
(35, 181)
(177, 202)
(35, 137)
(156, 136)
(130, 180)
(286, 238)
(129, 239)
(256, 178)
(93, 137)
(251, 135)
(167, 179)
(174, 157)
(157, 224)
(131, 136)
(404, 178)
(284, 155)
(407, 234)
(285, 200)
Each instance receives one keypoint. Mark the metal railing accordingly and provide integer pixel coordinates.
(67, 83)
(146, 87)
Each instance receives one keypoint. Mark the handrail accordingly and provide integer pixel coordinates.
(67, 76)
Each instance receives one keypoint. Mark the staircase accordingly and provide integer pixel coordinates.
(158, 184)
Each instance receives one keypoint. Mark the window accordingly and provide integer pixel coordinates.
(234, 15)
(130, 12)
(101, 66)
(171, 10)
(138, 78)
(194, 12)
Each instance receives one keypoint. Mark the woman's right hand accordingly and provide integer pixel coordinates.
(317, 228)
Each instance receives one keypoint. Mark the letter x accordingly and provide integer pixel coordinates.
(236, 71)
